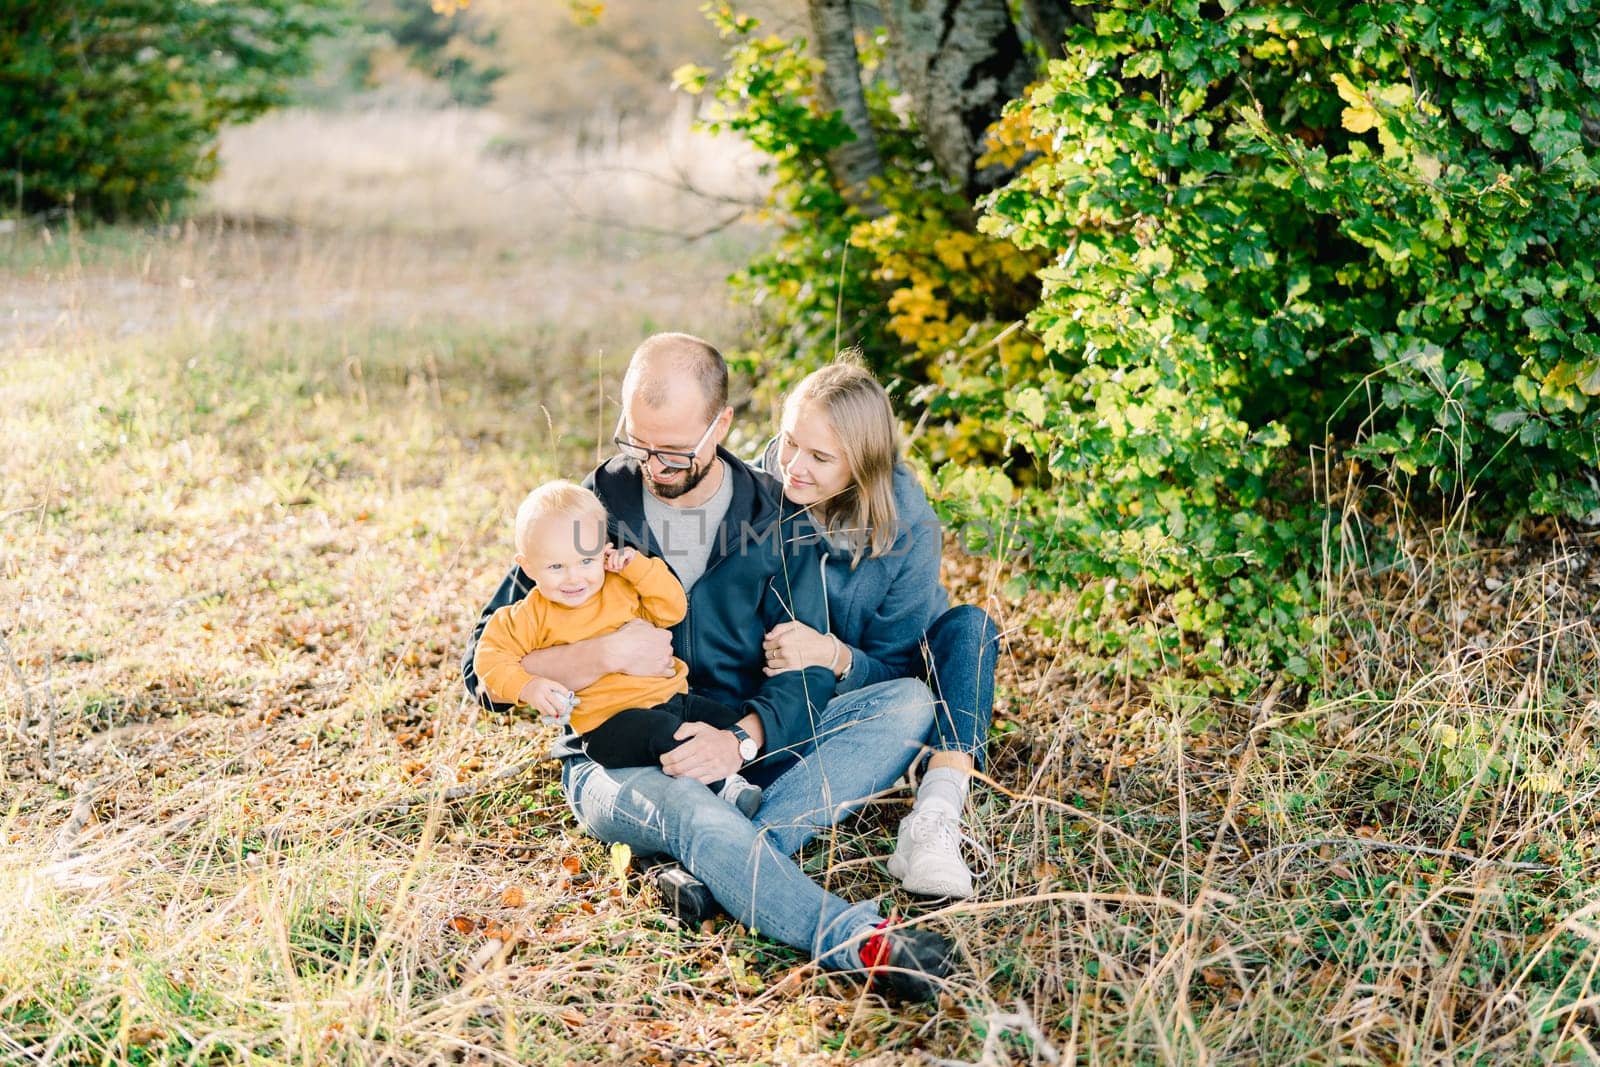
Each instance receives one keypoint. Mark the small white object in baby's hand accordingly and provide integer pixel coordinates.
(562, 720)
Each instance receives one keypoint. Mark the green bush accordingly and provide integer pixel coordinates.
(111, 108)
(1366, 227)
(1252, 233)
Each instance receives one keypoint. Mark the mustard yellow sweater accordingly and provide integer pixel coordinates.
(644, 589)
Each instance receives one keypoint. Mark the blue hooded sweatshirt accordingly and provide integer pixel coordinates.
(882, 606)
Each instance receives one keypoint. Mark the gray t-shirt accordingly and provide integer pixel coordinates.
(687, 534)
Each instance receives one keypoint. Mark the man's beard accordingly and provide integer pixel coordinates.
(690, 481)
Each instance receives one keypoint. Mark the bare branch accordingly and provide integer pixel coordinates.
(679, 181)
(562, 182)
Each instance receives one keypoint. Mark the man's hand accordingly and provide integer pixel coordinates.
(639, 649)
(552, 700)
(617, 558)
(706, 755)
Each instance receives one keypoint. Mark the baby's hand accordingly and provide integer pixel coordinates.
(552, 700)
(617, 558)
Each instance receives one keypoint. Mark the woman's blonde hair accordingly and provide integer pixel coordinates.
(863, 516)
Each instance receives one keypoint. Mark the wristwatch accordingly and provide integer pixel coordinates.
(748, 749)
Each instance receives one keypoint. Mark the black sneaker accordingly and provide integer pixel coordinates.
(907, 964)
(685, 897)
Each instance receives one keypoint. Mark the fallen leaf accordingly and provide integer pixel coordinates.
(140, 1036)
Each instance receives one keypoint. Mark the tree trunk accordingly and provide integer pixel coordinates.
(960, 61)
(833, 40)
(1046, 21)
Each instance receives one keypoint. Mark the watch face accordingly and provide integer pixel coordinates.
(747, 748)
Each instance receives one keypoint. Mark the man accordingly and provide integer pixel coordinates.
(675, 493)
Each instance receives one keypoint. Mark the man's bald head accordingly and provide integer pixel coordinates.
(668, 362)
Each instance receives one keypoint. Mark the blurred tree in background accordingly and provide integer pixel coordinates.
(111, 107)
(448, 42)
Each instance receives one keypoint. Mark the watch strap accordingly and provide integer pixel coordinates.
(746, 743)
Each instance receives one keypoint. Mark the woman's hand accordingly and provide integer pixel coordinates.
(793, 646)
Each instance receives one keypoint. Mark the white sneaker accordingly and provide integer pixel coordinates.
(927, 856)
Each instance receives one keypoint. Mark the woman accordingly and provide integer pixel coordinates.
(837, 455)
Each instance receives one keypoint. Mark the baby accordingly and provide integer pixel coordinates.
(584, 588)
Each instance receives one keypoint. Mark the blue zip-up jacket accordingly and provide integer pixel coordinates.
(883, 606)
(763, 570)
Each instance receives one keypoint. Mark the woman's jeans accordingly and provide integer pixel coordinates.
(959, 651)
(865, 740)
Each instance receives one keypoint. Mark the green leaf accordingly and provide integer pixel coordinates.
(1031, 403)
(1507, 420)
(1538, 320)
(1589, 383)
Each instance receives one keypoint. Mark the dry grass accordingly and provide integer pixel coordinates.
(254, 481)
(481, 175)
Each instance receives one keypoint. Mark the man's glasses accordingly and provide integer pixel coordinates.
(672, 459)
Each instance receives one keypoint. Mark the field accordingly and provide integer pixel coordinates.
(255, 479)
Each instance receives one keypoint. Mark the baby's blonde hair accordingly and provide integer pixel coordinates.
(555, 498)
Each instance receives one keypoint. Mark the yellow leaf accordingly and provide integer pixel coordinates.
(1358, 119)
(1348, 92)
(621, 856)
(1396, 96)
(1543, 782)
(951, 251)
(690, 78)
(1360, 116)
(584, 13)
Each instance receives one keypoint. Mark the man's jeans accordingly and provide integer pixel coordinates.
(866, 739)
